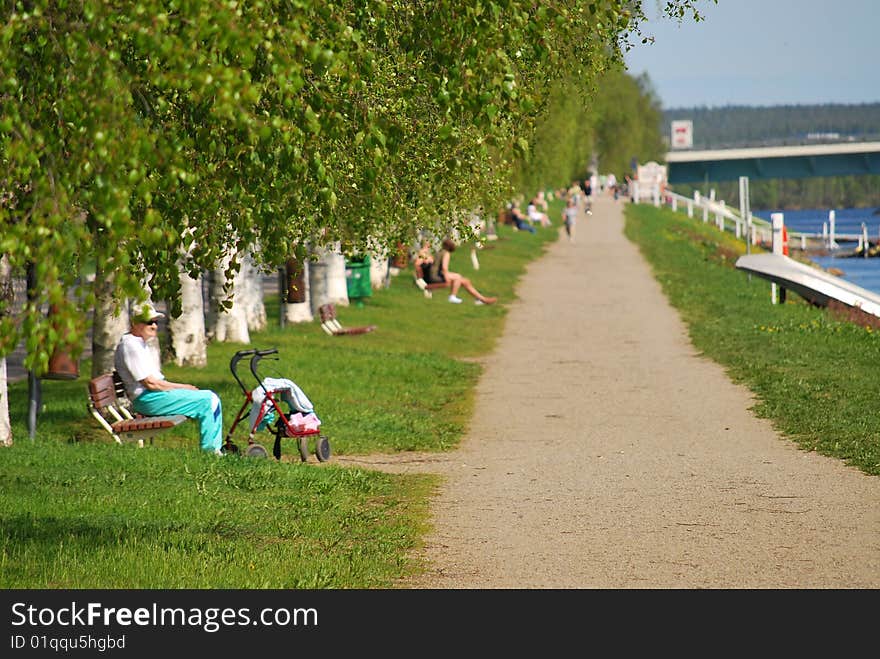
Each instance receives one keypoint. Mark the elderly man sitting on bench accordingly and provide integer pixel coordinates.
(151, 394)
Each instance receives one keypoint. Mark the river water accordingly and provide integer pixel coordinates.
(860, 271)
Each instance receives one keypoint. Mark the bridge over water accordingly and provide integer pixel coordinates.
(841, 159)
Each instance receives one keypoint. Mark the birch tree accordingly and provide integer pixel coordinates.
(296, 306)
(251, 296)
(189, 344)
(109, 323)
(227, 318)
(379, 265)
(6, 299)
(327, 279)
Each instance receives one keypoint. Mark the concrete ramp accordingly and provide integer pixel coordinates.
(812, 284)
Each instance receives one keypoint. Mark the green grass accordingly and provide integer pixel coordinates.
(87, 516)
(79, 511)
(814, 375)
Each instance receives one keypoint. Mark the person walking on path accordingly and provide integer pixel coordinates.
(569, 218)
(605, 452)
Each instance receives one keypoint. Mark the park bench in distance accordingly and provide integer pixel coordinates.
(110, 407)
(332, 326)
(424, 286)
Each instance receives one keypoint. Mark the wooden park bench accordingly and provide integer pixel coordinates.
(424, 286)
(332, 326)
(110, 407)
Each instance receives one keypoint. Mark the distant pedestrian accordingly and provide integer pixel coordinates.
(569, 217)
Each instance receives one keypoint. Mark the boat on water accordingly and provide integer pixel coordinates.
(813, 284)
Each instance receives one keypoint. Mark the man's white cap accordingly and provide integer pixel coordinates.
(145, 312)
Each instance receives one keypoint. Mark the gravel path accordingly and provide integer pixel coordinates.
(605, 452)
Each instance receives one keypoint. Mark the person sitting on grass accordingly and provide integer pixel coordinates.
(519, 220)
(151, 394)
(536, 216)
(423, 261)
(456, 280)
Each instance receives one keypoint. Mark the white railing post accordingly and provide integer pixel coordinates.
(674, 203)
(744, 209)
(690, 207)
(832, 228)
(719, 215)
(777, 220)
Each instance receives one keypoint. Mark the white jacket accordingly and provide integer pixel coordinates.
(263, 412)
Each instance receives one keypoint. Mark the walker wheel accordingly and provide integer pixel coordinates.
(322, 448)
(230, 448)
(304, 448)
(256, 451)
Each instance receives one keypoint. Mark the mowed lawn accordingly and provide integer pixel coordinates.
(79, 511)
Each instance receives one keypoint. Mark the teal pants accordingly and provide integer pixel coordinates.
(200, 404)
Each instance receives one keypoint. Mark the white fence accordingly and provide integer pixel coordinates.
(760, 230)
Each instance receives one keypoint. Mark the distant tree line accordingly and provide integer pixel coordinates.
(739, 126)
(744, 126)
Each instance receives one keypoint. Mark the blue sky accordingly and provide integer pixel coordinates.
(764, 52)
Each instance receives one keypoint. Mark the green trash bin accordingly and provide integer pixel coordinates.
(357, 279)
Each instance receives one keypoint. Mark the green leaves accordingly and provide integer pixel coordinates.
(318, 120)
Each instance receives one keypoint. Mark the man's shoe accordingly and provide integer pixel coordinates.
(455, 299)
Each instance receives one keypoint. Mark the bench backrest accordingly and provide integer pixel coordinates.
(332, 326)
(327, 312)
(102, 390)
(107, 390)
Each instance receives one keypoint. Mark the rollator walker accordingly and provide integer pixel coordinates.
(264, 406)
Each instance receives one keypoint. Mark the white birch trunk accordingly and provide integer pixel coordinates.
(110, 322)
(252, 295)
(188, 341)
(7, 296)
(378, 267)
(228, 325)
(5, 425)
(327, 280)
(300, 311)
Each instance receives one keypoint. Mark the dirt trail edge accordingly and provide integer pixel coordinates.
(605, 452)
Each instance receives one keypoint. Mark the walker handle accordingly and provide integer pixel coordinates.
(233, 365)
(255, 359)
